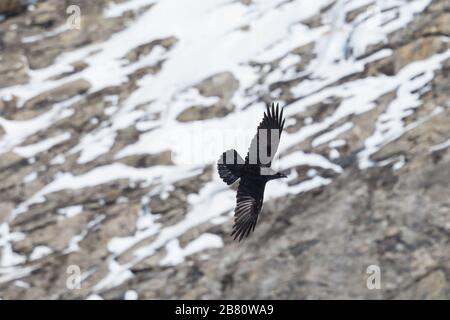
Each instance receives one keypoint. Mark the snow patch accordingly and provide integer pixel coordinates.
(176, 254)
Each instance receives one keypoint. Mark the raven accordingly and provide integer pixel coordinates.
(254, 172)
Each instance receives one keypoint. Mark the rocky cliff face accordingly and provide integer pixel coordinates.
(99, 129)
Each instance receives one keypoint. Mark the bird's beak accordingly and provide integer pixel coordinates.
(283, 175)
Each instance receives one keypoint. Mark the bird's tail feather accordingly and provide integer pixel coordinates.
(229, 166)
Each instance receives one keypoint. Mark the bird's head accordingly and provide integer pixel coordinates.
(279, 175)
(271, 174)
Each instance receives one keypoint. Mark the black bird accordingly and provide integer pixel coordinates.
(254, 172)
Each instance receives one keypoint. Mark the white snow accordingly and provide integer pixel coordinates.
(337, 143)
(73, 243)
(334, 154)
(40, 252)
(107, 173)
(332, 134)
(176, 254)
(30, 177)
(299, 158)
(29, 151)
(94, 144)
(8, 257)
(22, 284)
(59, 159)
(390, 124)
(11, 273)
(116, 276)
(440, 146)
(116, 10)
(131, 295)
(44, 35)
(72, 211)
(399, 164)
(17, 131)
(94, 297)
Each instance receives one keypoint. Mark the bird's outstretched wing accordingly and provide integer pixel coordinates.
(265, 143)
(249, 201)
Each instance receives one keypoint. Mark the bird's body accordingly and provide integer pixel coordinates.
(254, 172)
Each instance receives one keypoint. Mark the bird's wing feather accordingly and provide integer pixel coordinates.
(270, 128)
(248, 206)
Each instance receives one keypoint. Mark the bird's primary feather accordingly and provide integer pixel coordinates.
(249, 201)
(267, 137)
